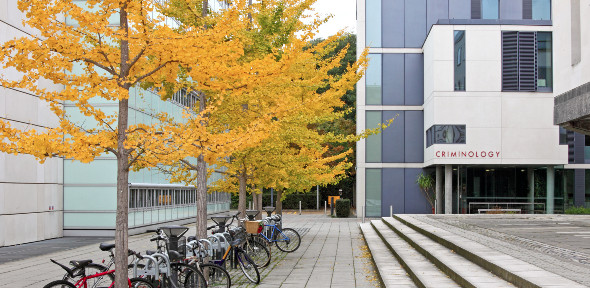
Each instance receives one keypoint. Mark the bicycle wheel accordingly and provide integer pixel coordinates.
(141, 283)
(257, 252)
(215, 275)
(60, 284)
(288, 240)
(188, 276)
(91, 269)
(248, 267)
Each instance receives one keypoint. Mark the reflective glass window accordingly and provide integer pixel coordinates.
(373, 192)
(373, 142)
(373, 23)
(373, 80)
(542, 9)
(544, 61)
(489, 9)
(459, 60)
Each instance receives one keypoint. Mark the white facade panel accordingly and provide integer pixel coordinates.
(482, 75)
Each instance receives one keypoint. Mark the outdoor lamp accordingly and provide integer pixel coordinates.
(252, 214)
(174, 231)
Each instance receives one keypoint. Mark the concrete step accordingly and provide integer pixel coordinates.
(516, 271)
(461, 270)
(390, 270)
(421, 270)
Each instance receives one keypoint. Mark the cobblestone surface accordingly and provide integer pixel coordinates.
(538, 240)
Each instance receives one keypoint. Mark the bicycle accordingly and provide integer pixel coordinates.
(256, 250)
(215, 275)
(286, 239)
(80, 271)
(237, 236)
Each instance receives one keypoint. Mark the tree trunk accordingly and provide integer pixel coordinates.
(258, 204)
(242, 194)
(122, 219)
(201, 221)
(279, 206)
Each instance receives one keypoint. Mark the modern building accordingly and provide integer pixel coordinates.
(67, 198)
(471, 86)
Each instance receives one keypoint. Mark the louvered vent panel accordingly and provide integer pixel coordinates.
(527, 61)
(475, 9)
(527, 9)
(510, 61)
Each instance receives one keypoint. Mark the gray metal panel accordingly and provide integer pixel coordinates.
(414, 136)
(579, 187)
(392, 16)
(579, 143)
(393, 79)
(414, 79)
(511, 9)
(435, 10)
(459, 9)
(393, 191)
(415, 23)
(495, 22)
(393, 137)
(527, 9)
(415, 201)
(475, 9)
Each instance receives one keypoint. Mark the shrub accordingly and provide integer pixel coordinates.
(342, 208)
(577, 210)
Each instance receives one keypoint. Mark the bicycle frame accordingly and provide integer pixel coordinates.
(272, 235)
(82, 282)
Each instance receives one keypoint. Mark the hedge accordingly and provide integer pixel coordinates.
(577, 210)
(342, 208)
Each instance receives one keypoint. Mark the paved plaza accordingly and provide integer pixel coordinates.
(332, 254)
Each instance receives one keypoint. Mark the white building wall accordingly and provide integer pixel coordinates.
(516, 126)
(567, 75)
(31, 194)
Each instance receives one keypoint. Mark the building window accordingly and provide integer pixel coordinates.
(541, 10)
(490, 9)
(445, 134)
(373, 80)
(373, 192)
(373, 23)
(544, 61)
(460, 60)
(527, 61)
(373, 142)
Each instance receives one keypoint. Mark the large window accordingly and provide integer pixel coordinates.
(373, 23)
(373, 80)
(527, 61)
(373, 193)
(446, 134)
(459, 60)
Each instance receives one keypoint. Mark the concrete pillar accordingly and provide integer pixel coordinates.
(531, 195)
(448, 189)
(550, 189)
(439, 190)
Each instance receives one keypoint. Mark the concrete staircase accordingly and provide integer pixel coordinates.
(411, 253)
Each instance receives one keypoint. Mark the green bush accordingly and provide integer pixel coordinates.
(342, 208)
(577, 210)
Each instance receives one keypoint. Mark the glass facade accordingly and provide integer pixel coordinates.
(490, 9)
(373, 142)
(541, 9)
(373, 23)
(373, 192)
(446, 134)
(459, 60)
(544, 61)
(373, 80)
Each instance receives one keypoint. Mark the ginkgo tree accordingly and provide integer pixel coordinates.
(97, 51)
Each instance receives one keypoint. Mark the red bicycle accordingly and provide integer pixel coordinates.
(98, 280)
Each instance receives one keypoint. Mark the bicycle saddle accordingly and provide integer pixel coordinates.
(80, 263)
(174, 255)
(106, 247)
(149, 252)
(191, 238)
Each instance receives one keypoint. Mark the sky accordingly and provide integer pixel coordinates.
(344, 12)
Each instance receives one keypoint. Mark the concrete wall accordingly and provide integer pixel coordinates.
(31, 194)
(517, 125)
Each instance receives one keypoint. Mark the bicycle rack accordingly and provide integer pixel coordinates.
(148, 270)
(207, 248)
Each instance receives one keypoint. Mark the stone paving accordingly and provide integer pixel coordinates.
(332, 254)
(556, 243)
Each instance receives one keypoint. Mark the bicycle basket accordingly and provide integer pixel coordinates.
(238, 236)
(253, 227)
